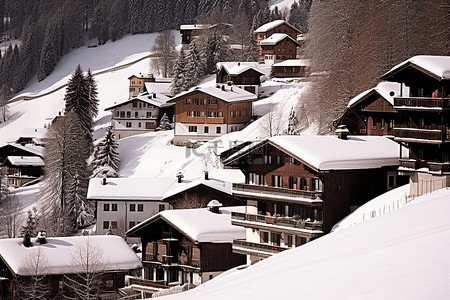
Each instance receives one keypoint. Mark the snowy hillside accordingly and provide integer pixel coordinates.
(400, 255)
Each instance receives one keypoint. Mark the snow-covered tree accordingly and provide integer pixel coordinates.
(106, 158)
(92, 95)
(195, 66)
(179, 83)
(10, 216)
(35, 285)
(164, 124)
(31, 223)
(165, 47)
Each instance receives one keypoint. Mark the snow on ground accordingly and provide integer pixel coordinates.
(400, 255)
(283, 5)
(378, 206)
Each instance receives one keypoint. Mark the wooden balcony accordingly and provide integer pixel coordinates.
(280, 221)
(440, 168)
(433, 167)
(408, 164)
(421, 103)
(311, 198)
(248, 248)
(171, 260)
(428, 136)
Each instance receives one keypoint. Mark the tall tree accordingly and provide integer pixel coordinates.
(179, 82)
(165, 47)
(106, 158)
(195, 66)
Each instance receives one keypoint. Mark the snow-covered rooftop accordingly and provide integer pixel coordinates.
(384, 89)
(159, 100)
(158, 87)
(275, 39)
(236, 68)
(303, 62)
(400, 255)
(150, 189)
(59, 254)
(221, 91)
(31, 148)
(33, 133)
(200, 224)
(194, 26)
(326, 152)
(26, 161)
(439, 66)
(271, 25)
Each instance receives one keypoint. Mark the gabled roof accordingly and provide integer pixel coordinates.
(148, 189)
(158, 87)
(142, 76)
(386, 90)
(199, 224)
(158, 101)
(33, 133)
(194, 26)
(34, 161)
(326, 152)
(114, 254)
(236, 68)
(302, 62)
(30, 148)
(276, 38)
(229, 94)
(271, 25)
(436, 66)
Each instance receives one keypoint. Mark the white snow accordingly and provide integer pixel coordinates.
(437, 65)
(302, 62)
(221, 91)
(25, 161)
(31, 148)
(202, 225)
(158, 87)
(236, 68)
(114, 254)
(384, 89)
(275, 39)
(400, 255)
(268, 26)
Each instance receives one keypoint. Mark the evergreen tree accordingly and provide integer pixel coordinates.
(31, 223)
(164, 124)
(106, 159)
(195, 66)
(93, 95)
(179, 83)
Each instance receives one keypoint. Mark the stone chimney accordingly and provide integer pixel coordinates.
(342, 132)
(41, 237)
(104, 180)
(27, 240)
(206, 175)
(179, 176)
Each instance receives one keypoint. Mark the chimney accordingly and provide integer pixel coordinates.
(154, 95)
(214, 206)
(223, 88)
(342, 132)
(239, 63)
(27, 240)
(206, 175)
(41, 236)
(179, 176)
(104, 180)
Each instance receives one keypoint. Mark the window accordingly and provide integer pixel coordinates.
(149, 114)
(132, 207)
(218, 129)
(219, 114)
(275, 238)
(105, 224)
(109, 283)
(278, 160)
(195, 101)
(117, 114)
(264, 237)
(202, 101)
(135, 104)
(114, 207)
(267, 159)
(288, 240)
(128, 124)
(192, 128)
(128, 114)
(391, 181)
(136, 115)
(316, 184)
(139, 124)
(132, 224)
(292, 183)
(114, 224)
(299, 241)
(206, 129)
(277, 181)
(106, 207)
(338, 188)
(382, 123)
(212, 101)
(302, 183)
(140, 207)
(188, 101)
(162, 207)
(122, 114)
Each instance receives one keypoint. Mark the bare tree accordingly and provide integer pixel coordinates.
(272, 122)
(11, 217)
(34, 283)
(87, 269)
(165, 48)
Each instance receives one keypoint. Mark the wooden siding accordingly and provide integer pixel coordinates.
(249, 77)
(283, 28)
(286, 49)
(289, 71)
(219, 257)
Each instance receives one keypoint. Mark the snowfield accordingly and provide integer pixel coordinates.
(400, 255)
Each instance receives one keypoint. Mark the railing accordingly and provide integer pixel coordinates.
(276, 190)
(149, 283)
(418, 102)
(420, 134)
(409, 164)
(258, 247)
(281, 221)
(439, 167)
(171, 260)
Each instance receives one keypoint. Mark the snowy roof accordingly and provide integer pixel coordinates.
(158, 87)
(143, 76)
(275, 39)
(326, 152)
(33, 133)
(394, 256)
(159, 100)
(59, 254)
(31, 148)
(148, 189)
(437, 66)
(271, 25)
(229, 94)
(384, 89)
(200, 224)
(236, 68)
(26, 161)
(293, 63)
(194, 26)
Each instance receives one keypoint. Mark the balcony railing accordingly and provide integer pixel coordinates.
(257, 247)
(439, 167)
(436, 167)
(171, 260)
(421, 102)
(276, 191)
(280, 221)
(418, 134)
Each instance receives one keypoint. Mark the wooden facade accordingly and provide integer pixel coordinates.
(248, 77)
(281, 28)
(284, 49)
(137, 84)
(289, 71)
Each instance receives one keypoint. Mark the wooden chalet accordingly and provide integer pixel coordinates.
(291, 68)
(139, 114)
(34, 136)
(50, 262)
(372, 112)
(190, 31)
(424, 126)
(278, 47)
(137, 83)
(278, 26)
(188, 245)
(245, 75)
(206, 113)
(303, 185)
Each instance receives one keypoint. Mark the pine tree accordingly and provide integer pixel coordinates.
(93, 95)
(106, 158)
(164, 124)
(31, 223)
(179, 73)
(195, 66)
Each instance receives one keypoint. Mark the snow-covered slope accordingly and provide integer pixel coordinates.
(400, 255)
